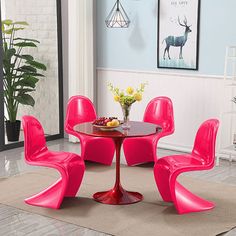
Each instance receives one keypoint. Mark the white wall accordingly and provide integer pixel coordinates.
(195, 99)
(41, 16)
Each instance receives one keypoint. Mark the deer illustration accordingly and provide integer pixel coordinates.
(178, 41)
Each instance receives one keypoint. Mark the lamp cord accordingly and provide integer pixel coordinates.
(118, 5)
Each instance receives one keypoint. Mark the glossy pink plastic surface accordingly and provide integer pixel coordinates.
(70, 166)
(141, 150)
(79, 110)
(168, 168)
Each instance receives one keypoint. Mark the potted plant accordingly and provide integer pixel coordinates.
(20, 74)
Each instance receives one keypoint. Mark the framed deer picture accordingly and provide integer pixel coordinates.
(178, 34)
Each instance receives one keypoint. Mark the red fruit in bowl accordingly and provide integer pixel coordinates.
(106, 120)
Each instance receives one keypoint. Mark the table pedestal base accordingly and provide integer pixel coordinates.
(118, 196)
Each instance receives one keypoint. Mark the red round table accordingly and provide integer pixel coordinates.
(118, 195)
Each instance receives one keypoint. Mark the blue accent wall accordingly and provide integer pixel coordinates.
(135, 48)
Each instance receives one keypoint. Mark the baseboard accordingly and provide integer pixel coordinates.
(226, 157)
(174, 147)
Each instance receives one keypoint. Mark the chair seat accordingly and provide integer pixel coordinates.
(182, 161)
(62, 158)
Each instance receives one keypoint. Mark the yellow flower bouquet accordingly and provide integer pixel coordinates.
(126, 99)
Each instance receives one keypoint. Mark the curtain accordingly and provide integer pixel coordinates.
(81, 49)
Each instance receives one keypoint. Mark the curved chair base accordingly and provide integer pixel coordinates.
(76, 173)
(187, 202)
(172, 191)
(50, 198)
(66, 186)
(161, 174)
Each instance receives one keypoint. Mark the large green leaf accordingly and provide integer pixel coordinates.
(9, 31)
(25, 57)
(24, 39)
(26, 74)
(31, 78)
(7, 65)
(26, 69)
(13, 76)
(25, 99)
(24, 90)
(25, 44)
(37, 65)
(9, 53)
(7, 22)
(35, 74)
(29, 81)
(19, 28)
(20, 23)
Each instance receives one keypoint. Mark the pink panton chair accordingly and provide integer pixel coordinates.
(79, 110)
(143, 149)
(167, 169)
(70, 166)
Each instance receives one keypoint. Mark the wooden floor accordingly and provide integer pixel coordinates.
(17, 222)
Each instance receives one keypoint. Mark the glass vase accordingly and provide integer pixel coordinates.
(126, 112)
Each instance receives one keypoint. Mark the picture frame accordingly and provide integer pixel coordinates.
(178, 34)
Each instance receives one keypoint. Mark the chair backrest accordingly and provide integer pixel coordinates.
(204, 145)
(160, 111)
(34, 137)
(79, 110)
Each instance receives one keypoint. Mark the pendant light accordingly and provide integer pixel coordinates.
(117, 18)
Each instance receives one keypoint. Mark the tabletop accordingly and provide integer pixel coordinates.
(137, 129)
